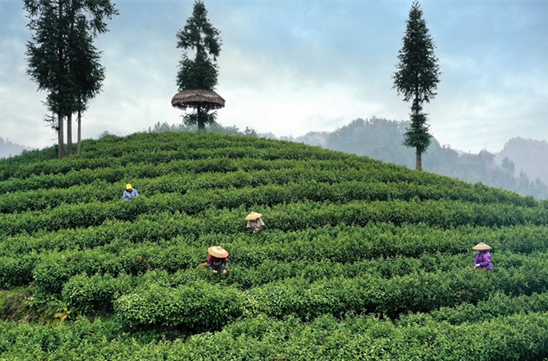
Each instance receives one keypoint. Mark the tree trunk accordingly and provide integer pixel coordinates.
(200, 120)
(60, 141)
(69, 135)
(70, 10)
(79, 132)
(416, 108)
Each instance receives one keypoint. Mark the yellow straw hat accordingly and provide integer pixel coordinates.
(217, 251)
(253, 216)
(481, 247)
(128, 186)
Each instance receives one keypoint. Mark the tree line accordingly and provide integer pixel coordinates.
(383, 139)
(528, 155)
(63, 60)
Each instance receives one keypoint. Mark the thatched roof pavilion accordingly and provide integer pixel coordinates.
(197, 98)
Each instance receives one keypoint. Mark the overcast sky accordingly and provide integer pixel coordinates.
(290, 67)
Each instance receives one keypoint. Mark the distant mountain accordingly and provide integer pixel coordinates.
(10, 149)
(382, 139)
(528, 155)
(377, 138)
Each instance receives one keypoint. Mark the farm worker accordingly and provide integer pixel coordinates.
(254, 222)
(130, 193)
(218, 259)
(483, 258)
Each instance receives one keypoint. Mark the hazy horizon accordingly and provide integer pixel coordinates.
(293, 138)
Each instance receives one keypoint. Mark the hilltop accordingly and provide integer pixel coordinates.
(361, 259)
(519, 167)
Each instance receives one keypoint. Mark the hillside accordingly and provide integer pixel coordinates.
(361, 260)
(382, 139)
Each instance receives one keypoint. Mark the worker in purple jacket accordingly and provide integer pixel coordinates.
(483, 258)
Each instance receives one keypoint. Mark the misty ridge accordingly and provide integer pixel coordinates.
(518, 167)
(10, 149)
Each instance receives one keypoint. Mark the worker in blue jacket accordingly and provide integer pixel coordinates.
(130, 193)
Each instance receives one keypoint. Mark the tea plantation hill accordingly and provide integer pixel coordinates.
(362, 260)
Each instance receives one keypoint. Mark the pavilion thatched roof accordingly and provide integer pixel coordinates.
(194, 98)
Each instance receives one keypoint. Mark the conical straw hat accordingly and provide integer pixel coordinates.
(217, 251)
(481, 247)
(253, 215)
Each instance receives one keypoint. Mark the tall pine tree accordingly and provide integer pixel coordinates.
(417, 78)
(203, 40)
(61, 56)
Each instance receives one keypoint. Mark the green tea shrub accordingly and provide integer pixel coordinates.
(92, 295)
(199, 307)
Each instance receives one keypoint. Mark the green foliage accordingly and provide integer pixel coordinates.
(194, 308)
(360, 260)
(418, 72)
(201, 37)
(92, 295)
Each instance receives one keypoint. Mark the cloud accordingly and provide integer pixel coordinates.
(290, 67)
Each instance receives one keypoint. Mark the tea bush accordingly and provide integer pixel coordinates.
(360, 260)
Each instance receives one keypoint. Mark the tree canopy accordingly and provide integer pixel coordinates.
(200, 39)
(417, 78)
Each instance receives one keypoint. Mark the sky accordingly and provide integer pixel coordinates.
(291, 67)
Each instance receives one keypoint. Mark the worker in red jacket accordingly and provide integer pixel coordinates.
(218, 259)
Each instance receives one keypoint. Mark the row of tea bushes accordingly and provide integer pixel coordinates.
(292, 207)
(315, 289)
(385, 238)
(511, 338)
(498, 305)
